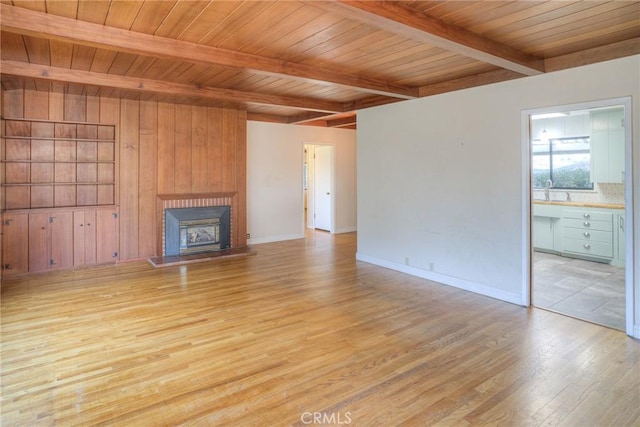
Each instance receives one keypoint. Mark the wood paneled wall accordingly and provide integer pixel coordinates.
(163, 148)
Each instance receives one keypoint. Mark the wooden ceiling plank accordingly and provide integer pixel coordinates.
(32, 23)
(151, 15)
(592, 28)
(122, 13)
(558, 21)
(286, 32)
(210, 17)
(37, 50)
(180, 17)
(37, 5)
(13, 47)
(162, 87)
(94, 11)
(61, 53)
(122, 63)
(102, 60)
(399, 19)
(537, 13)
(236, 20)
(82, 57)
(66, 8)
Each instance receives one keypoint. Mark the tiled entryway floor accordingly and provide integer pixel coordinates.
(587, 290)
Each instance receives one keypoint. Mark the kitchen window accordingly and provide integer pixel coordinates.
(563, 162)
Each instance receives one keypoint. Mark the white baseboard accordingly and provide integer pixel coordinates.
(271, 239)
(345, 230)
(477, 288)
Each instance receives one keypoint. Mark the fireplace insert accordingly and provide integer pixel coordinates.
(196, 230)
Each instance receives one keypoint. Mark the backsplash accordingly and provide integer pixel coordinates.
(608, 193)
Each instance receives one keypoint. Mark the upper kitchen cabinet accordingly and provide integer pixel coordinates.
(607, 145)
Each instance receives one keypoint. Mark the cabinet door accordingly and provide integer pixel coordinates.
(15, 243)
(622, 247)
(616, 156)
(107, 235)
(600, 156)
(61, 224)
(84, 238)
(543, 236)
(39, 242)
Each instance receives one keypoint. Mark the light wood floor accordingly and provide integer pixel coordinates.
(298, 334)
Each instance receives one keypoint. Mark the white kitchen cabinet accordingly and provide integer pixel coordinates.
(588, 233)
(621, 241)
(607, 146)
(543, 233)
(546, 223)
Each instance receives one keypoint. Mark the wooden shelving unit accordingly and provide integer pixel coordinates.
(49, 164)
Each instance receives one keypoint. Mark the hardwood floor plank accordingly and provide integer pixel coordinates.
(299, 330)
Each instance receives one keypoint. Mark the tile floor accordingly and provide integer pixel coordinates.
(587, 290)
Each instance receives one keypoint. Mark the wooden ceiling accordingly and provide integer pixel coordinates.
(302, 62)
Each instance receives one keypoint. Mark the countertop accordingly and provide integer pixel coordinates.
(579, 204)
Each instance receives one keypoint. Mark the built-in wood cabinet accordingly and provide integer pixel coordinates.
(15, 243)
(50, 240)
(51, 164)
(42, 240)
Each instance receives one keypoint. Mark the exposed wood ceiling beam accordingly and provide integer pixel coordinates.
(306, 117)
(27, 22)
(344, 122)
(598, 54)
(270, 118)
(469, 81)
(17, 68)
(400, 19)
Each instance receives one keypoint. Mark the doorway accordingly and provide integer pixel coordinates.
(319, 183)
(579, 196)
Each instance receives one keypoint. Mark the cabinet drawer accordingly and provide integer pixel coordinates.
(587, 224)
(595, 249)
(587, 215)
(588, 235)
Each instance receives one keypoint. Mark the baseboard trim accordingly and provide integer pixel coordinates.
(511, 297)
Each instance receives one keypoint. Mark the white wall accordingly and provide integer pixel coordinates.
(274, 179)
(440, 191)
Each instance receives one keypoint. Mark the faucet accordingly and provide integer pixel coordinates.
(546, 189)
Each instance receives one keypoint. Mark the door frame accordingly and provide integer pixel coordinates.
(310, 148)
(527, 204)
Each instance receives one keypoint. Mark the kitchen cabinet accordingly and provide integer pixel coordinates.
(42, 240)
(546, 233)
(543, 233)
(588, 233)
(621, 241)
(607, 146)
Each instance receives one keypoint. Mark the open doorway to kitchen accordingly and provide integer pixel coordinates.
(579, 198)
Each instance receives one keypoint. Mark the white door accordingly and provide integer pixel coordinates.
(323, 187)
